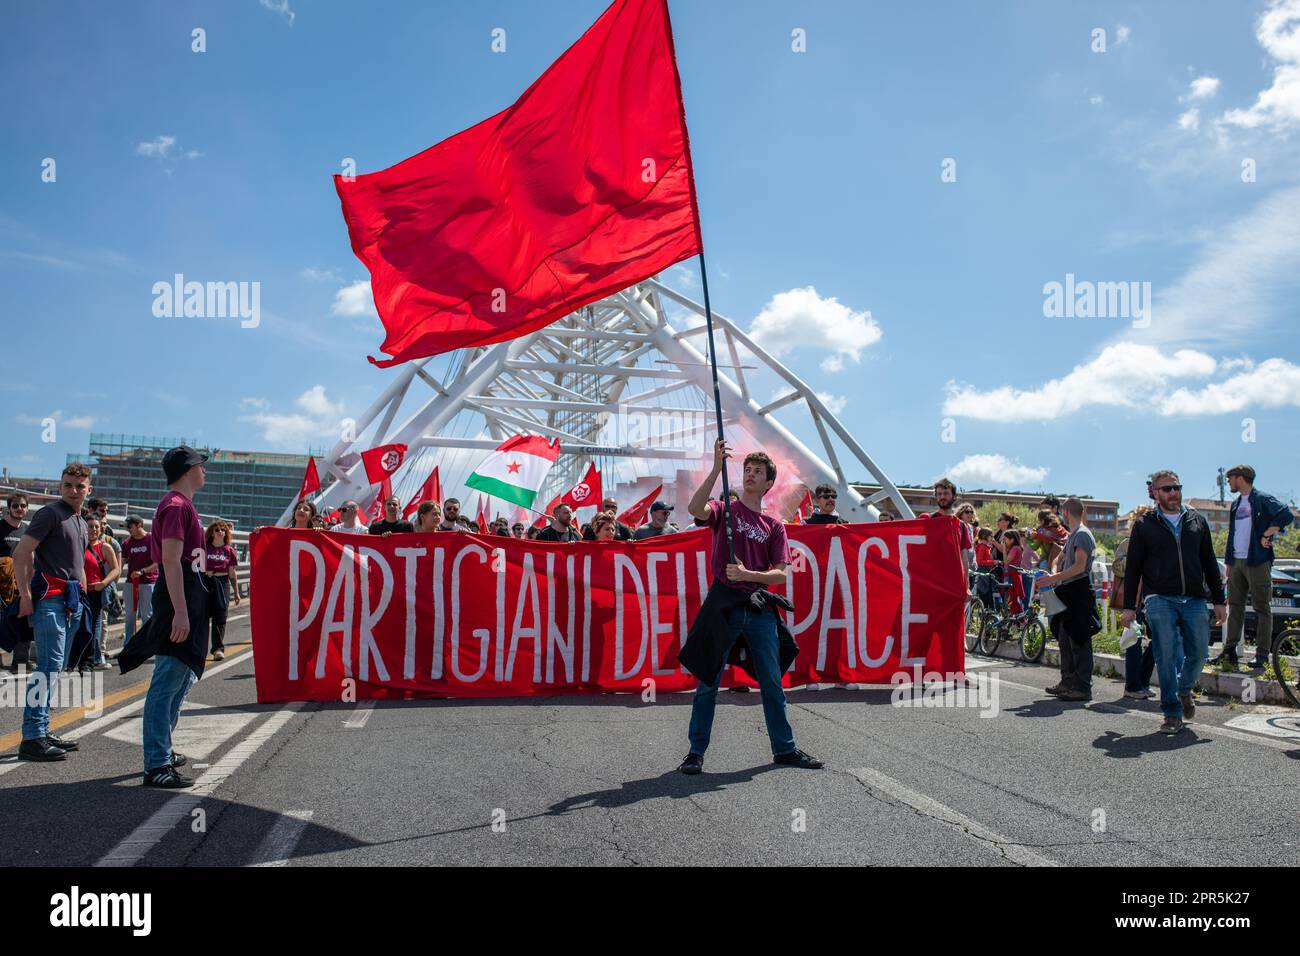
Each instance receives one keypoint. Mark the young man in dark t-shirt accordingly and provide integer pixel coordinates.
(561, 526)
(392, 524)
(761, 556)
(825, 498)
(50, 560)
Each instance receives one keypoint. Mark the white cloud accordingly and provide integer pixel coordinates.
(354, 299)
(1278, 32)
(1124, 375)
(320, 275)
(163, 148)
(995, 471)
(75, 421)
(800, 317)
(316, 418)
(1096, 99)
(279, 6)
(1190, 120)
(834, 403)
(1203, 87)
(1122, 34)
(1274, 383)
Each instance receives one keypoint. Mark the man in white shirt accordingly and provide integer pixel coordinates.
(350, 524)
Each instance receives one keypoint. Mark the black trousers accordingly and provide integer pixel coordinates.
(1076, 655)
(218, 606)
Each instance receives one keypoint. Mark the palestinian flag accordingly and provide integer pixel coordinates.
(516, 470)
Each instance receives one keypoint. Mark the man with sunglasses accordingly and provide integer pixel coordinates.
(348, 523)
(1171, 555)
(825, 498)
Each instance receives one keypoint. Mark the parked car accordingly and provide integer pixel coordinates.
(1285, 601)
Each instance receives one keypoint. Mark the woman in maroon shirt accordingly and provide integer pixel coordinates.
(221, 565)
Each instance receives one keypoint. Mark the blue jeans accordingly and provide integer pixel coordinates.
(144, 610)
(171, 681)
(759, 630)
(1180, 636)
(52, 624)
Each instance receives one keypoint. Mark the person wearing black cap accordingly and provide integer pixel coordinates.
(176, 634)
(659, 512)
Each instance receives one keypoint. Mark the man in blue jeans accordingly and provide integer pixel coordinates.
(52, 549)
(737, 608)
(1171, 556)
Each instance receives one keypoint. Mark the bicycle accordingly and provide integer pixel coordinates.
(976, 613)
(1286, 663)
(998, 627)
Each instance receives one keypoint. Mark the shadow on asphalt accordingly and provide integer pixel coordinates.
(672, 784)
(1124, 747)
(630, 700)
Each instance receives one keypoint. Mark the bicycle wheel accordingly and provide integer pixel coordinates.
(974, 623)
(1033, 639)
(991, 635)
(1286, 649)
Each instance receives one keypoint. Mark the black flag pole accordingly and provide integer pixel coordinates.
(717, 406)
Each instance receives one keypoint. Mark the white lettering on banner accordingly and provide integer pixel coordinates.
(837, 579)
(366, 646)
(622, 563)
(586, 624)
(408, 556)
(657, 627)
(296, 624)
(867, 660)
(483, 635)
(563, 639)
(527, 589)
(905, 647)
(342, 582)
(439, 562)
(499, 671)
(810, 563)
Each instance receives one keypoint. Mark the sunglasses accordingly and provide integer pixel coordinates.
(833, 494)
(1170, 488)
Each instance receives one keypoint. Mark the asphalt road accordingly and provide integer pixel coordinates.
(592, 780)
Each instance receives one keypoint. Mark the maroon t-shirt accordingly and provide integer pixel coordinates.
(221, 559)
(759, 541)
(176, 518)
(137, 554)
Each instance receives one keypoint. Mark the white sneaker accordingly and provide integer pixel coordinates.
(218, 655)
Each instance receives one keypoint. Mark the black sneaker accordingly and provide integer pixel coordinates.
(167, 778)
(797, 758)
(1259, 663)
(40, 748)
(179, 760)
(68, 745)
(1074, 694)
(1055, 689)
(1189, 706)
(693, 764)
(1227, 657)
(739, 689)
(1172, 725)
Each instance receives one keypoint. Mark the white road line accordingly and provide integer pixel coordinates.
(946, 814)
(147, 835)
(357, 719)
(277, 847)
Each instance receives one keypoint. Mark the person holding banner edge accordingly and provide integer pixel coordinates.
(738, 619)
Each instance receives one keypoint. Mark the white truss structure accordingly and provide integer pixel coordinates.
(599, 380)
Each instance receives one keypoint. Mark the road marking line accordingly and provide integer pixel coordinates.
(357, 719)
(277, 847)
(946, 814)
(147, 835)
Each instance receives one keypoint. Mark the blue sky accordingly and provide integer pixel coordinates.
(818, 170)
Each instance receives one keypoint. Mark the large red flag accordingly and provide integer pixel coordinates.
(581, 188)
(431, 490)
(585, 493)
(635, 516)
(544, 519)
(310, 480)
(382, 462)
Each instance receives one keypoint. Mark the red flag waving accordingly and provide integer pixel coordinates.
(481, 519)
(431, 490)
(804, 509)
(545, 516)
(382, 462)
(580, 189)
(376, 509)
(585, 493)
(310, 480)
(635, 516)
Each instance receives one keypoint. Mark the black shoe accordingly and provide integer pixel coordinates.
(1056, 689)
(1189, 706)
(179, 760)
(1258, 663)
(1074, 694)
(1229, 657)
(167, 778)
(1171, 725)
(693, 764)
(739, 689)
(68, 745)
(40, 748)
(797, 758)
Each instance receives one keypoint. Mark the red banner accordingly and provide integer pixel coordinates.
(465, 615)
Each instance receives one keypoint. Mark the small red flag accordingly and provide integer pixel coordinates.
(376, 509)
(382, 462)
(636, 516)
(581, 188)
(481, 518)
(431, 490)
(310, 480)
(545, 516)
(585, 493)
(804, 509)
